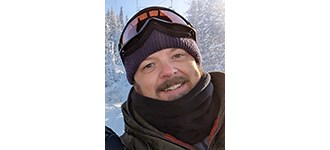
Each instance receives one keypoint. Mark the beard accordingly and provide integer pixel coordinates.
(165, 85)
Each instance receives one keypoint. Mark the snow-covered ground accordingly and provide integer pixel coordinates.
(115, 95)
(114, 117)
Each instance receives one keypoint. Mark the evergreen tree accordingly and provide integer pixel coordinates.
(195, 17)
(208, 19)
(121, 18)
(115, 78)
(214, 34)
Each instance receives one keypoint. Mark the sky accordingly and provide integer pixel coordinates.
(130, 7)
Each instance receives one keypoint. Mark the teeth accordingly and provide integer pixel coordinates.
(174, 87)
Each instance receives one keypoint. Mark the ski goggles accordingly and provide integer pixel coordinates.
(148, 19)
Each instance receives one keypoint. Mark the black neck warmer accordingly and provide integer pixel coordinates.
(189, 118)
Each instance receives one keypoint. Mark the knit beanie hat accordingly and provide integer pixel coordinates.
(156, 42)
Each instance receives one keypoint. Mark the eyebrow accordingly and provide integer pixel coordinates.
(148, 58)
(171, 50)
(175, 49)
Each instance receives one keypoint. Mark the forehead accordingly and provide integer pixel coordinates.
(167, 51)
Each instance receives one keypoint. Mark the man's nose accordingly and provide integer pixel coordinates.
(168, 70)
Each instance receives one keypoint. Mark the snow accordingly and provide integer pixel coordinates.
(114, 117)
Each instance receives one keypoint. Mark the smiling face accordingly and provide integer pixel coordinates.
(167, 74)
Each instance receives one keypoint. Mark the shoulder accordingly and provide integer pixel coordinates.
(112, 140)
(217, 74)
(130, 141)
(218, 79)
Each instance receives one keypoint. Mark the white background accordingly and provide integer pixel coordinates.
(52, 74)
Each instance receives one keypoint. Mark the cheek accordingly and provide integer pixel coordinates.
(146, 83)
(195, 72)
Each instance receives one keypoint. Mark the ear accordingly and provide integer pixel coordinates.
(137, 88)
(200, 69)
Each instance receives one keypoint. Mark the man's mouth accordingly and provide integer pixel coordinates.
(172, 84)
(174, 87)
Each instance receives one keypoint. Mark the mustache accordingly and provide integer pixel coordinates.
(170, 82)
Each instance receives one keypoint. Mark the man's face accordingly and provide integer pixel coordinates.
(167, 74)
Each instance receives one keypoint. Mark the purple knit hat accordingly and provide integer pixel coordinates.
(156, 42)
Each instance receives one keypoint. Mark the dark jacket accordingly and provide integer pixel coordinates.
(112, 141)
(139, 135)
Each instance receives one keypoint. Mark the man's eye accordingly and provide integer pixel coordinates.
(176, 56)
(149, 66)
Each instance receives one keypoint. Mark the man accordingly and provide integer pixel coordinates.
(173, 104)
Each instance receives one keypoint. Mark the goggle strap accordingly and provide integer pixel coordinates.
(139, 40)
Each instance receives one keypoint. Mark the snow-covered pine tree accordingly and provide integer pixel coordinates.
(121, 18)
(208, 19)
(195, 17)
(116, 85)
(215, 34)
(109, 47)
